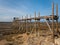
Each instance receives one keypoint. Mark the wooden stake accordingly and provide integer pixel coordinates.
(38, 24)
(53, 22)
(30, 25)
(35, 22)
(57, 16)
(26, 23)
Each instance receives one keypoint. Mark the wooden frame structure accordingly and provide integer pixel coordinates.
(52, 17)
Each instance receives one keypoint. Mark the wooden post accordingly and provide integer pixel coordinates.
(30, 25)
(35, 22)
(38, 23)
(57, 16)
(19, 25)
(53, 22)
(26, 23)
(22, 24)
(39, 20)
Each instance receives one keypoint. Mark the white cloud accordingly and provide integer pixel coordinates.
(8, 13)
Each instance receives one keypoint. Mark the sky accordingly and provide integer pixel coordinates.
(18, 8)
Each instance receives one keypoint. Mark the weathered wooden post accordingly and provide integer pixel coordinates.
(26, 24)
(30, 25)
(53, 22)
(57, 17)
(19, 24)
(38, 27)
(35, 22)
(39, 24)
(22, 24)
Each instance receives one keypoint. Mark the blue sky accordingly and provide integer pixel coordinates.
(19, 8)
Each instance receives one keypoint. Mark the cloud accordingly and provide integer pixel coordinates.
(9, 9)
(19, 8)
(8, 13)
